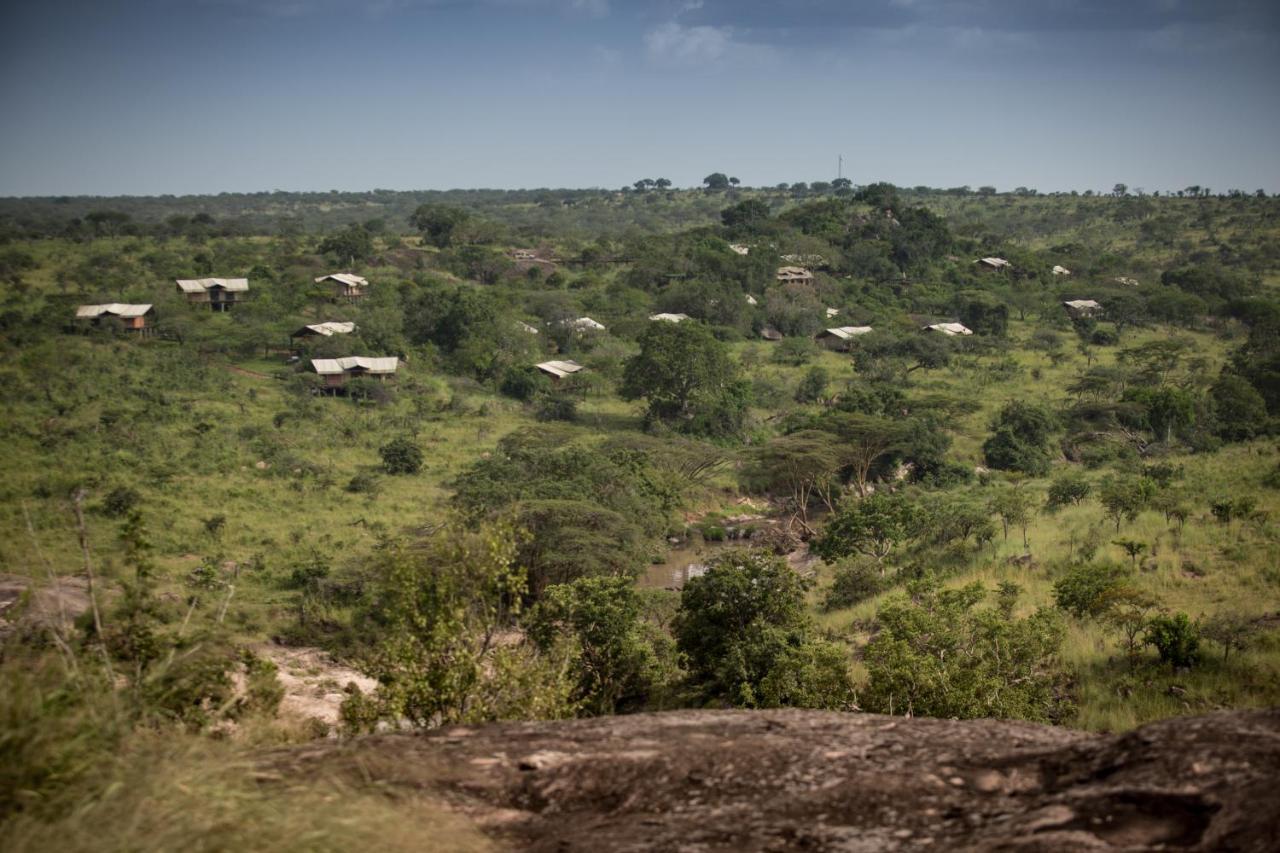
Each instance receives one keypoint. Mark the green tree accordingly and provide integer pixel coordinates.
(745, 217)
(813, 385)
(1124, 498)
(872, 526)
(744, 631)
(688, 380)
(619, 659)
(436, 607)
(1087, 589)
(938, 654)
(350, 245)
(1241, 413)
(1015, 506)
(1176, 638)
(439, 223)
(716, 181)
(1020, 438)
(1071, 487)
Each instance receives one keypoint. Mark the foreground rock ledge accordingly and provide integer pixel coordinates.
(808, 780)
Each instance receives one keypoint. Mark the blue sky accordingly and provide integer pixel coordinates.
(186, 96)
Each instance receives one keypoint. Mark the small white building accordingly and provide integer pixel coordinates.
(348, 285)
(1082, 307)
(559, 369)
(218, 293)
(336, 371)
(993, 263)
(132, 317)
(325, 330)
(840, 337)
(949, 328)
(788, 275)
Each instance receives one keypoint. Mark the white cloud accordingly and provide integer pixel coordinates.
(673, 42)
(594, 8)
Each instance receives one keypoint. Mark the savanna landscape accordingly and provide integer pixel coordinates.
(857, 448)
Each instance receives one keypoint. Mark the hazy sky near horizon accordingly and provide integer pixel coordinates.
(105, 97)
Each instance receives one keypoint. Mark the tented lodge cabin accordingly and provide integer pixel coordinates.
(134, 318)
(346, 285)
(841, 338)
(218, 293)
(336, 371)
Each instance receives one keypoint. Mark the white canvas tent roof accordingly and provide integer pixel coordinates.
(118, 309)
(346, 278)
(334, 366)
(670, 318)
(1082, 304)
(559, 369)
(950, 328)
(994, 262)
(326, 329)
(845, 333)
(197, 285)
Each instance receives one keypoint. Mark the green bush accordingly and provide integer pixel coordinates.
(855, 581)
(1176, 638)
(401, 456)
(1083, 590)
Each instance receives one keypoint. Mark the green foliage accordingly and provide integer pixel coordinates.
(120, 501)
(439, 223)
(853, 581)
(434, 609)
(1241, 411)
(687, 379)
(350, 245)
(1229, 509)
(1020, 438)
(743, 630)
(938, 654)
(872, 526)
(1176, 638)
(401, 456)
(620, 659)
(812, 386)
(1086, 590)
(1124, 497)
(1071, 487)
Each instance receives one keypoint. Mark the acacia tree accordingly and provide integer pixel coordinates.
(688, 380)
(801, 465)
(867, 439)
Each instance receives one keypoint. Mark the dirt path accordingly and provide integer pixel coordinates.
(313, 682)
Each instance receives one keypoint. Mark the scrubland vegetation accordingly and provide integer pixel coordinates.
(1065, 517)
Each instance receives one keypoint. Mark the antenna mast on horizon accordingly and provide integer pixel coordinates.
(839, 166)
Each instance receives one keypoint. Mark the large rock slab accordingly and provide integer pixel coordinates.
(807, 780)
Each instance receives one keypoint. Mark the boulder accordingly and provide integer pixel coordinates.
(810, 780)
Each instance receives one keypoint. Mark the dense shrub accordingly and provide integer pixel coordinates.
(401, 456)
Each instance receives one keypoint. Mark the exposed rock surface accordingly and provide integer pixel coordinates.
(27, 608)
(807, 780)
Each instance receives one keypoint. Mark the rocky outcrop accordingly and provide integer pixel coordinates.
(806, 780)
